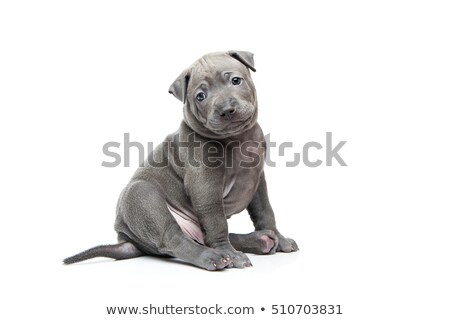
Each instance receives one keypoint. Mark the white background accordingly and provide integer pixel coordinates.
(373, 236)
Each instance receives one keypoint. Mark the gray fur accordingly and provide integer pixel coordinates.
(210, 194)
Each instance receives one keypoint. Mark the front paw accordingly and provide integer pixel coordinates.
(286, 244)
(238, 258)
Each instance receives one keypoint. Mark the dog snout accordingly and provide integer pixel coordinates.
(228, 112)
(227, 109)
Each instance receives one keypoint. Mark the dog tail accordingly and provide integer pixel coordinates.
(120, 251)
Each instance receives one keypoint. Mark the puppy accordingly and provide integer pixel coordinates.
(178, 202)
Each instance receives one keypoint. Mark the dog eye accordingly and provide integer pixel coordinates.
(236, 81)
(200, 96)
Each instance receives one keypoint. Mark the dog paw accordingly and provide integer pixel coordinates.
(257, 242)
(213, 260)
(266, 242)
(238, 258)
(286, 245)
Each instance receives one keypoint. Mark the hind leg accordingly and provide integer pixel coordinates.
(257, 242)
(144, 218)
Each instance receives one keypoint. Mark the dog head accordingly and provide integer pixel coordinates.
(218, 94)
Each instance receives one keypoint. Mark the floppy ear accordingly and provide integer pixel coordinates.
(245, 57)
(179, 86)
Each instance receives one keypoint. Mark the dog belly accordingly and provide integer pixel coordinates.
(237, 194)
(188, 223)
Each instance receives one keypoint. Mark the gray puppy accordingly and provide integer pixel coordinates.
(178, 202)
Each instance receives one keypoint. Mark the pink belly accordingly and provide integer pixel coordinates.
(188, 223)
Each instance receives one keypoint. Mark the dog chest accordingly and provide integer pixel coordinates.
(241, 179)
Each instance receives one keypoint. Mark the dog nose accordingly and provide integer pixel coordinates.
(228, 112)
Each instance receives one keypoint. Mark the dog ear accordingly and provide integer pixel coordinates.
(179, 87)
(244, 57)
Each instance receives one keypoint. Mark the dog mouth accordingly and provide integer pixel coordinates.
(235, 126)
